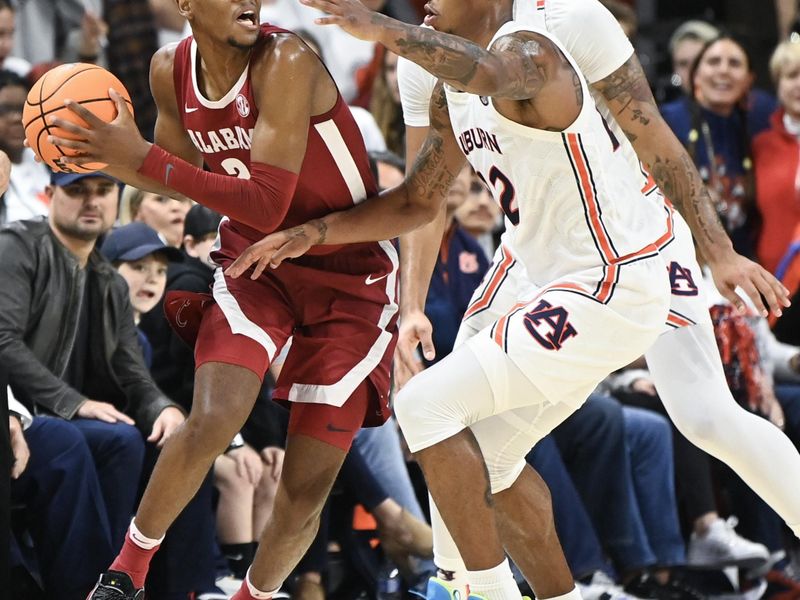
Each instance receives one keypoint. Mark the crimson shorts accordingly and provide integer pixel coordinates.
(340, 310)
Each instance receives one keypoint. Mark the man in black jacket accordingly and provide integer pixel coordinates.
(68, 341)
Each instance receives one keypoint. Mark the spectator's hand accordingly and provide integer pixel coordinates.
(102, 411)
(275, 248)
(5, 172)
(93, 35)
(167, 422)
(351, 15)
(118, 143)
(19, 447)
(415, 329)
(644, 386)
(248, 463)
(737, 271)
(273, 460)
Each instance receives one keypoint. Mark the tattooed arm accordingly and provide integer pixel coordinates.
(514, 68)
(629, 98)
(418, 200)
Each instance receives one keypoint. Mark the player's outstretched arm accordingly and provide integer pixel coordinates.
(510, 70)
(628, 96)
(418, 200)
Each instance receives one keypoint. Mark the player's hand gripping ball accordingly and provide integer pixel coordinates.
(82, 83)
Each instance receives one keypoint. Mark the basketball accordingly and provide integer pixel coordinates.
(83, 83)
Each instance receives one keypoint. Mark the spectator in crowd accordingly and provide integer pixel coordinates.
(7, 28)
(141, 257)
(787, 17)
(68, 338)
(169, 21)
(716, 124)
(132, 41)
(62, 503)
(164, 214)
(25, 196)
(776, 157)
(480, 216)
(385, 102)
(684, 45)
(50, 30)
(173, 360)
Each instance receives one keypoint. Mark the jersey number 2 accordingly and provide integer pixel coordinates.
(501, 186)
(235, 167)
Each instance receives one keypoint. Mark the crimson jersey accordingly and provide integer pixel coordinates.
(335, 173)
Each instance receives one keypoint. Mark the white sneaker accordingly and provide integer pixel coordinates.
(721, 547)
(229, 584)
(602, 587)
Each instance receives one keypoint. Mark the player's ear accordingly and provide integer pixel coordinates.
(184, 7)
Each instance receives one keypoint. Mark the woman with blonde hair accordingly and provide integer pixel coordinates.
(776, 155)
(164, 214)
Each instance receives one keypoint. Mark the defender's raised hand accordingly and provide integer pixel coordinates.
(351, 15)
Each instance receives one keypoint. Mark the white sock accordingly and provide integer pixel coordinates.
(255, 592)
(141, 540)
(496, 583)
(445, 554)
(575, 594)
(455, 579)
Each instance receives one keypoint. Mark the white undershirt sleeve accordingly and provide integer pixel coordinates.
(416, 89)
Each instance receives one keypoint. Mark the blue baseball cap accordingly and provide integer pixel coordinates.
(135, 241)
(61, 179)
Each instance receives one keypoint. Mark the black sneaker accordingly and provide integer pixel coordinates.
(647, 586)
(115, 585)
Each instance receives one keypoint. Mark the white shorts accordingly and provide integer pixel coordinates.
(567, 336)
(529, 356)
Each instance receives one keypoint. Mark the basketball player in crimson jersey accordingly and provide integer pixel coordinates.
(257, 106)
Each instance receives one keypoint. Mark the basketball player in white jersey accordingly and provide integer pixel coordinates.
(592, 295)
(684, 362)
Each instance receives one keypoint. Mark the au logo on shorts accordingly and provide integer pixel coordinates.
(549, 325)
(681, 280)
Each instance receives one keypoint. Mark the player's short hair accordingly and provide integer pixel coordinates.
(9, 78)
(785, 57)
(696, 30)
(6, 4)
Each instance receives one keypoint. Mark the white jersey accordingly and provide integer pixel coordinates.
(591, 36)
(571, 202)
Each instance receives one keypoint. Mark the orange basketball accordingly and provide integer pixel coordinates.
(83, 83)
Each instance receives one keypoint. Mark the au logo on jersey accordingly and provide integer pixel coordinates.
(549, 325)
(681, 280)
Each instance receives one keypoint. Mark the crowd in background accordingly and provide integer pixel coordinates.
(99, 380)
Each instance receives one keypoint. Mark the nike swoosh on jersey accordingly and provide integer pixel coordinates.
(369, 280)
(168, 172)
(190, 110)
